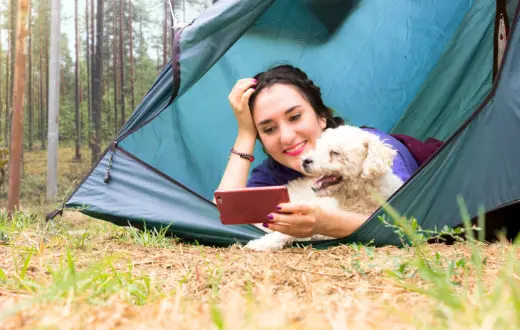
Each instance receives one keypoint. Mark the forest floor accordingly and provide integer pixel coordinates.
(77, 272)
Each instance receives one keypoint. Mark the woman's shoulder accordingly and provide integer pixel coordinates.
(404, 163)
(388, 138)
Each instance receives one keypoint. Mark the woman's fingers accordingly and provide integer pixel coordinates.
(301, 208)
(239, 96)
(292, 230)
(241, 86)
(239, 100)
(290, 219)
(245, 98)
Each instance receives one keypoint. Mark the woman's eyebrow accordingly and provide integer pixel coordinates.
(267, 121)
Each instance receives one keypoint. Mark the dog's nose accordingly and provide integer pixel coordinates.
(306, 162)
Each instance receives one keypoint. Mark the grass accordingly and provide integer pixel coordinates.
(77, 272)
(71, 172)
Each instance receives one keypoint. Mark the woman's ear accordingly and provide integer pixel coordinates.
(323, 122)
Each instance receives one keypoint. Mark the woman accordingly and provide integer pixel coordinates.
(285, 111)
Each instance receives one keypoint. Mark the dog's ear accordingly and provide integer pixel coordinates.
(379, 159)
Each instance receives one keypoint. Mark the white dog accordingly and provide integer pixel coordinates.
(345, 170)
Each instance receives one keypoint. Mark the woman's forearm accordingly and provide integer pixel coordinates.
(237, 169)
(339, 223)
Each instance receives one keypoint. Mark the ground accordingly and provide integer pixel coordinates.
(77, 272)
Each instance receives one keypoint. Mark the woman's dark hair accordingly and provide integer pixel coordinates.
(290, 75)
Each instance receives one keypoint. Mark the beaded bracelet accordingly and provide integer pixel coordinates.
(249, 157)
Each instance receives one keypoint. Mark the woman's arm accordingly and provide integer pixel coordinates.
(304, 220)
(237, 169)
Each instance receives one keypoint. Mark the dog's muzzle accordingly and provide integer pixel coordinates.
(306, 164)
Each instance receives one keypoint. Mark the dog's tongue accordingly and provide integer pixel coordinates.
(325, 181)
(326, 178)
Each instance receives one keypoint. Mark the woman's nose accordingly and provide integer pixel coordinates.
(287, 136)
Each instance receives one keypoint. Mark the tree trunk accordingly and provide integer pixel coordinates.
(76, 84)
(1, 101)
(114, 63)
(30, 77)
(47, 76)
(165, 33)
(7, 103)
(92, 133)
(12, 47)
(42, 106)
(89, 90)
(106, 89)
(141, 47)
(106, 101)
(121, 62)
(130, 28)
(15, 154)
(7, 74)
(97, 77)
(171, 27)
(53, 102)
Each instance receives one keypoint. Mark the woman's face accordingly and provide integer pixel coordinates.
(287, 124)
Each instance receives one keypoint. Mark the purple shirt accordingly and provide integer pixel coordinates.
(272, 173)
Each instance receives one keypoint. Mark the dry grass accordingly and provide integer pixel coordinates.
(200, 287)
(35, 173)
(79, 272)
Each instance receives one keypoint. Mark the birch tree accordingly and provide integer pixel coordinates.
(53, 102)
(76, 84)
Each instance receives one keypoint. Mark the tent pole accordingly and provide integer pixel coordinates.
(172, 4)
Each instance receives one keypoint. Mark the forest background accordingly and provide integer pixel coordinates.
(136, 44)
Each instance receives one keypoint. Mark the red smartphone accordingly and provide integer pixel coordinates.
(249, 205)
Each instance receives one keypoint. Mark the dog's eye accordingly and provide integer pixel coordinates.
(334, 153)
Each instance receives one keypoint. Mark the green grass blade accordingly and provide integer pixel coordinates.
(3, 277)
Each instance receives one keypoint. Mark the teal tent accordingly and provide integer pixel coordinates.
(422, 68)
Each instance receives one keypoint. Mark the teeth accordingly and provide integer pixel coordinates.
(295, 147)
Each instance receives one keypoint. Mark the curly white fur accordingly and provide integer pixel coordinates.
(360, 159)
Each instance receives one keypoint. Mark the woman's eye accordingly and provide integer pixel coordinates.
(269, 130)
(295, 117)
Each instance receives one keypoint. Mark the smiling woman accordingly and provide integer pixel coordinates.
(284, 109)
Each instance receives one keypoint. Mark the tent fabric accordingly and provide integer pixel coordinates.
(479, 163)
(155, 201)
(450, 95)
(169, 156)
(379, 71)
(203, 42)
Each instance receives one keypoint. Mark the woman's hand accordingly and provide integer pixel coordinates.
(296, 219)
(303, 220)
(239, 100)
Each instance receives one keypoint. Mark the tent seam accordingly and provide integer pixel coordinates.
(162, 174)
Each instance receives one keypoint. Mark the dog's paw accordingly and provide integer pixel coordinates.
(258, 245)
(270, 242)
(261, 245)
